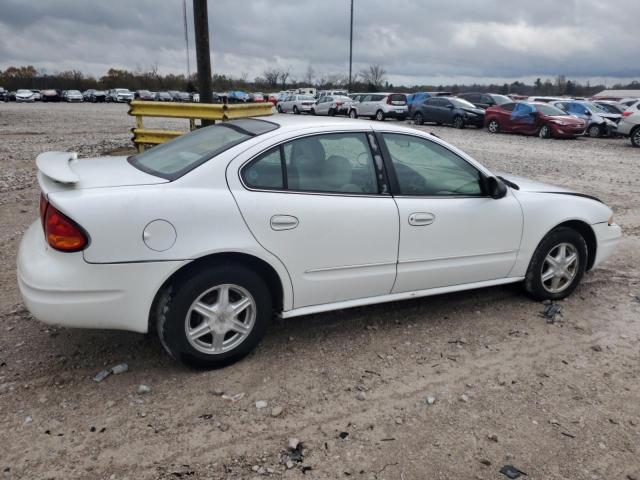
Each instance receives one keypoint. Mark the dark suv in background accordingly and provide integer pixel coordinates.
(485, 100)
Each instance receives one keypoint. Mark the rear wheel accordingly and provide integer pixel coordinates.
(635, 137)
(493, 126)
(215, 317)
(544, 132)
(594, 131)
(312, 111)
(353, 114)
(295, 110)
(279, 108)
(458, 121)
(332, 112)
(418, 118)
(379, 115)
(557, 266)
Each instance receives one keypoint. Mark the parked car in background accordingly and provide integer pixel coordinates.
(36, 95)
(600, 123)
(448, 111)
(195, 96)
(72, 96)
(50, 95)
(257, 97)
(415, 98)
(24, 95)
(296, 104)
(610, 106)
(544, 99)
(119, 95)
(94, 96)
(178, 96)
(237, 96)
(444, 223)
(143, 95)
(273, 98)
(163, 97)
(380, 106)
(633, 107)
(324, 93)
(485, 100)
(533, 118)
(332, 105)
(629, 126)
(4, 95)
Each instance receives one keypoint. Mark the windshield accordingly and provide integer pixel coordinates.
(593, 108)
(462, 103)
(122, 90)
(501, 99)
(173, 159)
(74, 92)
(551, 111)
(22, 92)
(305, 97)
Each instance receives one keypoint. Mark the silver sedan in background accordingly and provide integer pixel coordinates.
(296, 104)
(332, 105)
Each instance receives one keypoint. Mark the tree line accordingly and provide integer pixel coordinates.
(372, 78)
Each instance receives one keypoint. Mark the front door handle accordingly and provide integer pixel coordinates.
(284, 222)
(419, 219)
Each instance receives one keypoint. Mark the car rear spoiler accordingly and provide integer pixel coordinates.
(58, 166)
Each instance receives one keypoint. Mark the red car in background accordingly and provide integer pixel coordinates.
(533, 118)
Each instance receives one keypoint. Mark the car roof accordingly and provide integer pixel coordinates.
(292, 123)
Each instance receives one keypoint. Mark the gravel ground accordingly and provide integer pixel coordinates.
(557, 400)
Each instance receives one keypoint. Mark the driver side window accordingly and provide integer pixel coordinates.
(425, 168)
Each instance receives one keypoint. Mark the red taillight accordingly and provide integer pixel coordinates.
(61, 232)
(338, 104)
(626, 113)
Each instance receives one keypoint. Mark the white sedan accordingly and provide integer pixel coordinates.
(208, 236)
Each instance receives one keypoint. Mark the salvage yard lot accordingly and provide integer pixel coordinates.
(557, 398)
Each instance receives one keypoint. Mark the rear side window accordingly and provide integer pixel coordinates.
(265, 172)
(173, 159)
(376, 98)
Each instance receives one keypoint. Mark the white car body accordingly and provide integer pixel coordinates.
(629, 126)
(326, 250)
(73, 96)
(380, 106)
(25, 96)
(332, 105)
(119, 95)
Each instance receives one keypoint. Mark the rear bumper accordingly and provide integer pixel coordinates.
(63, 289)
(395, 114)
(607, 239)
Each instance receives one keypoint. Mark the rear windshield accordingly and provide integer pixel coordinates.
(173, 159)
(398, 99)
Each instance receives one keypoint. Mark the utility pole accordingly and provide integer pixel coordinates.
(186, 37)
(203, 55)
(351, 45)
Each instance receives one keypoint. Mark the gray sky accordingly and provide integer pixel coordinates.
(416, 41)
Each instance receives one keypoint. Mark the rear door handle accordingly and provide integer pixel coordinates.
(419, 219)
(283, 222)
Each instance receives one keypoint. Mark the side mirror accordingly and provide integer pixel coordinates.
(450, 107)
(587, 113)
(495, 188)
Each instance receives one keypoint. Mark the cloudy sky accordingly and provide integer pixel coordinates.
(416, 41)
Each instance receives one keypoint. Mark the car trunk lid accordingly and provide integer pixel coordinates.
(64, 171)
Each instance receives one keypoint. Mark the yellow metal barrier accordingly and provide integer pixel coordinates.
(191, 111)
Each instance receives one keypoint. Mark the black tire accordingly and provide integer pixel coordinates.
(635, 137)
(279, 109)
(353, 114)
(312, 111)
(594, 131)
(418, 118)
(458, 122)
(379, 116)
(493, 126)
(176, 302)
(545, 131)
(533, 280)
(331, 112)
(295, 110)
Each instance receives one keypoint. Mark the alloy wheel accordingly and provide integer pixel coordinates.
(418, 118)
(220, 319)
(544, 132)
(560, 267)
(594, 131)
(458, 122)
(353, 114)
(635, 138)
(379, 115)
(493, 126)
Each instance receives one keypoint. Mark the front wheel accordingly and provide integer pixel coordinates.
(458, 121)
(379, 115)
(493, 126)
(279, 109)
(418, 118)
(557, 265)
(312, 111)
(215, 317)
(635, 137)
(544, 132)
(295, 110)
(353, 114)
(594, 131)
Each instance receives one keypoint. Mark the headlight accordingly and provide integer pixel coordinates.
(470, 114)
(559, 122)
